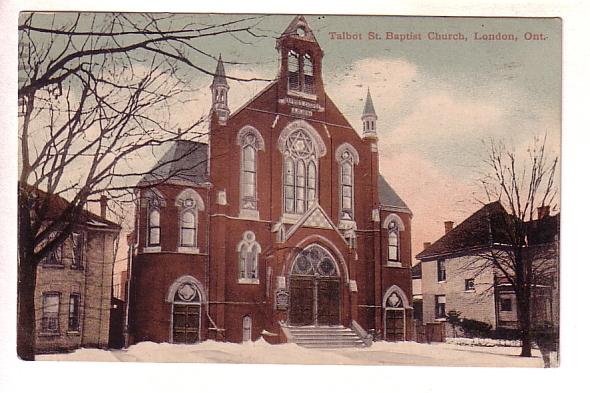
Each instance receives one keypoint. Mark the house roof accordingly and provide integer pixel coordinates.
(388, 197)
(57, 204)
(476, 231)
(544, 230)
(185, 161)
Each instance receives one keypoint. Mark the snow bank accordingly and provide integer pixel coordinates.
(260, 352)
(483, 342)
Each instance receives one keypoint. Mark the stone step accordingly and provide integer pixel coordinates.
(325, 337)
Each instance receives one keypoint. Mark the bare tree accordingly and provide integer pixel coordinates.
(521, 185)
(96, 95)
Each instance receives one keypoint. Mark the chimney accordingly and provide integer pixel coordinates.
(542, 212)
(448, 226)
(103, 206)
(426, 245)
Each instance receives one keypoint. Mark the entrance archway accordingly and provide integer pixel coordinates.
(314, 287)
(395, 303)
(186, 301)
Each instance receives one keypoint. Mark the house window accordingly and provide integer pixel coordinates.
(77, 250)
(393, 242)
(247, 329)
(154, 227)
(441, 270)
(308, 86)
(74, 313)
(248, 250)
(470, 284)
(293, 70)
(188, 229)
(299, 173)
(440, 311)
(50, 313)
(506, 304)
(55, 257)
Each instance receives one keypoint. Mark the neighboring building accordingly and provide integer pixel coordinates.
(74, 284)
(281, 220)
(417, 290)
(456, 277)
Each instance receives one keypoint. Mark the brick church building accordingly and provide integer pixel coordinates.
(281, 221)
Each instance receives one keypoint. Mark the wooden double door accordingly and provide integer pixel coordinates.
(185, 323)
(395, 324)
(314, 301)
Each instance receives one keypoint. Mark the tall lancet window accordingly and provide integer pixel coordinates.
(250, 141)
(300, 173)
(308, 74)
(347, 157)
(393, 242)
(293, 68)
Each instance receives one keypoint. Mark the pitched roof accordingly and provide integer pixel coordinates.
(185, 161)
(479, 229)
(369, 108)
(219, 78)
(299, 22)
(387, 196)
(57, 204)
(543, 230)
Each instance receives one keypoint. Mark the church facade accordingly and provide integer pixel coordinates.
(281, 220)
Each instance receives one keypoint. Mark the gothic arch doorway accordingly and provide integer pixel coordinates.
(395, 304)
(186, 301)
(314, 288)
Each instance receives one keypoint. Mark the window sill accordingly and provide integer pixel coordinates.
(442, 282)
(73, 333)
(347, 224)
(440, 319)
(393, 264)
(297, 93)
(52, 266)
(188, 250)
(469, 291)
(290, 218)
(48, 334)
(152, 249)
(249, 214)
(250, 281)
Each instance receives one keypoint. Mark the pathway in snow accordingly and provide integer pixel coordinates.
(260, 352)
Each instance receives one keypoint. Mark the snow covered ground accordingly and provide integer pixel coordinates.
(260, 352)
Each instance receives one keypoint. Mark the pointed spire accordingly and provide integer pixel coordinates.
(219, 90)
(219, 78)
(369, 118)
(369, 108)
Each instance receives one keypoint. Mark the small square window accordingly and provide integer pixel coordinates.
(470, 284)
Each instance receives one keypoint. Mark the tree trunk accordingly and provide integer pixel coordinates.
(27, 277)
(524, 310)
(25, 336)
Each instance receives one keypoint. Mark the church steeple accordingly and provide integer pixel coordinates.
(219, 89)
(369, 119)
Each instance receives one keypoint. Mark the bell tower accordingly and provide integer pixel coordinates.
(300, 71)
(219, 90)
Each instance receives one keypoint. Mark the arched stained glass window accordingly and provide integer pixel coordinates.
(300, 173)
(154, 227)
(393, 242)
(188, 229)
